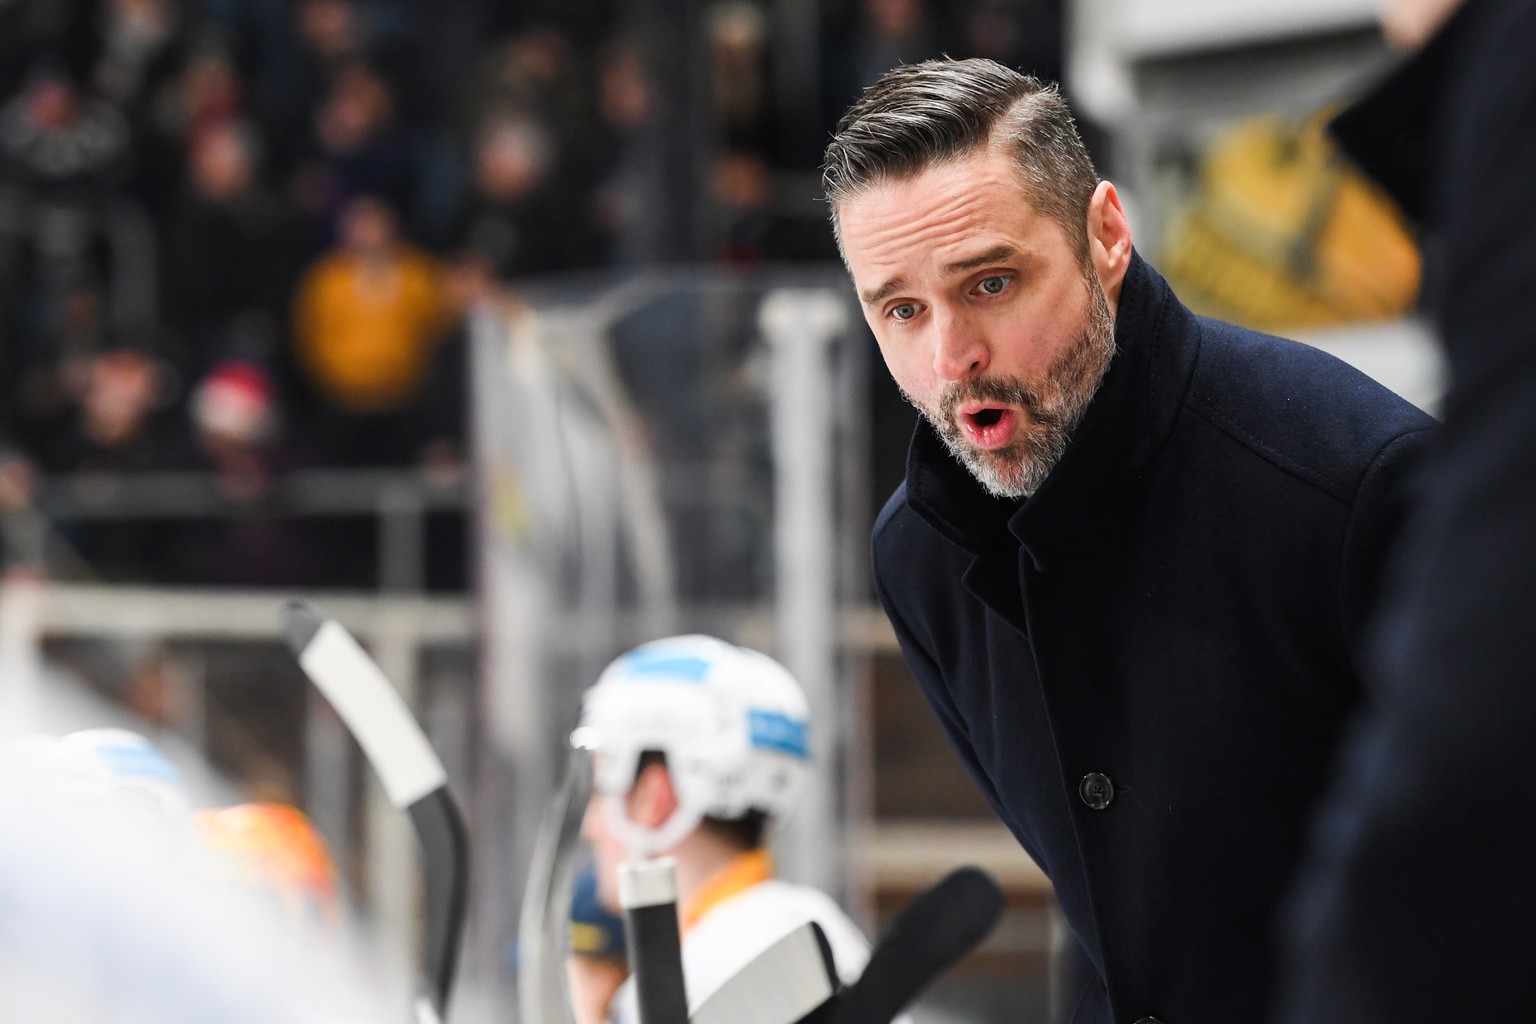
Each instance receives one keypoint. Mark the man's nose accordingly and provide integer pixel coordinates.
(960, 349)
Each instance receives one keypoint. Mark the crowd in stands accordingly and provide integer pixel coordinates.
(239, 236)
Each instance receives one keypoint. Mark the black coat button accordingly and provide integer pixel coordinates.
(1097, 792)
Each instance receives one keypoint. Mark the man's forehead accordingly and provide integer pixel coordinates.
(966, 173)
(951, 212)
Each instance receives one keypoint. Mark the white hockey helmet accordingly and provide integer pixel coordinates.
(123, 767)
(732, 723)
(107, 771)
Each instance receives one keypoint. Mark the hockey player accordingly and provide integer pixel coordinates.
(699, 748)
(274, 851)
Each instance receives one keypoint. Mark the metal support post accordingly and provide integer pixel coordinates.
(800, 326)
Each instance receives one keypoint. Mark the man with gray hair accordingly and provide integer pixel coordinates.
(1134, 548)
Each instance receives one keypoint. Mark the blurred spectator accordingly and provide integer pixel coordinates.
(139, 49)
(330, 33)
(368, 318)
(202, 90)
(235, 419)
(331, 39)
(631, 158)
(240, 438)
(535, 75)
(740, 94)
(742, 189)
(54, 140)
(61, 155)
(119, 425)
(229, 252)
(524, 217)
(535, 71)
(328, 36)
(355, 149)
(261, 42)
(207, 93)
(48, 367)
(118, 422)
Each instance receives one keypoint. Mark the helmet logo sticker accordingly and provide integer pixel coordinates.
(773, 730)
(681, 667)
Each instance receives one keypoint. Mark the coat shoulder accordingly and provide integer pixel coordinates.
(1308, 412)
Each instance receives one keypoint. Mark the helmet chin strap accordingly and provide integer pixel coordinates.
(641, 842)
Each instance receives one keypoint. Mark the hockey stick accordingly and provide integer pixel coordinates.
(648, 893)
(936, 929)
(932, 932)
(412, 776)
(783, 983)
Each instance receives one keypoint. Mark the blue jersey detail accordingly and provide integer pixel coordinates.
(773, 730)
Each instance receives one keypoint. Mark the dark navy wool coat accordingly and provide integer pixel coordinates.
(1147, 665)
(1420, 902)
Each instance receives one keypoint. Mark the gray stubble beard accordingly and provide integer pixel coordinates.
(1052, 407)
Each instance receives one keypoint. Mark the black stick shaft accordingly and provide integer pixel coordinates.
(649, 893)
(445, 854)
(936, 929)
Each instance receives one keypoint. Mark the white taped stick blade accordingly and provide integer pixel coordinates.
(782, 984)
(375, 714)
(426, 1013)
(647, 883)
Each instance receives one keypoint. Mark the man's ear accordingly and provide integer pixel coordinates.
(653, 800)
(1109, 240)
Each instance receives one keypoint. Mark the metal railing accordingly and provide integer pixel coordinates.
(400, 501)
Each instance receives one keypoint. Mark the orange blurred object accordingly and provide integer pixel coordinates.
(275, 849)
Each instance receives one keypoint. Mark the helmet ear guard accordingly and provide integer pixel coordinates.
(640, 841)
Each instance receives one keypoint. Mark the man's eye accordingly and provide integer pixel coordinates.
(905, 311)
(994, 285)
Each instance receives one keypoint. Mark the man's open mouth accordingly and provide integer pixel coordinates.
(987, 426)
(987, 417)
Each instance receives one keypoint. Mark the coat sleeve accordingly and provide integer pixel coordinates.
(1375, 526)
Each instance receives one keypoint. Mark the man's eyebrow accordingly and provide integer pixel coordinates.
(885, 291)
(1001, 253)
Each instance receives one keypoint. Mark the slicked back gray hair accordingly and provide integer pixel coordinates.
(920, 115)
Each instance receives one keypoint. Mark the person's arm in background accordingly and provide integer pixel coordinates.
(596, 964)
(1418, 903)
(593, 982)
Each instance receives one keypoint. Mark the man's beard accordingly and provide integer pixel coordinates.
(1052, 408)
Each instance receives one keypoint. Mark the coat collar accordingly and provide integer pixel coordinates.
(1125, 426)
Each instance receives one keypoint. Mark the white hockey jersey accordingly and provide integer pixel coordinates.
(732, 931)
